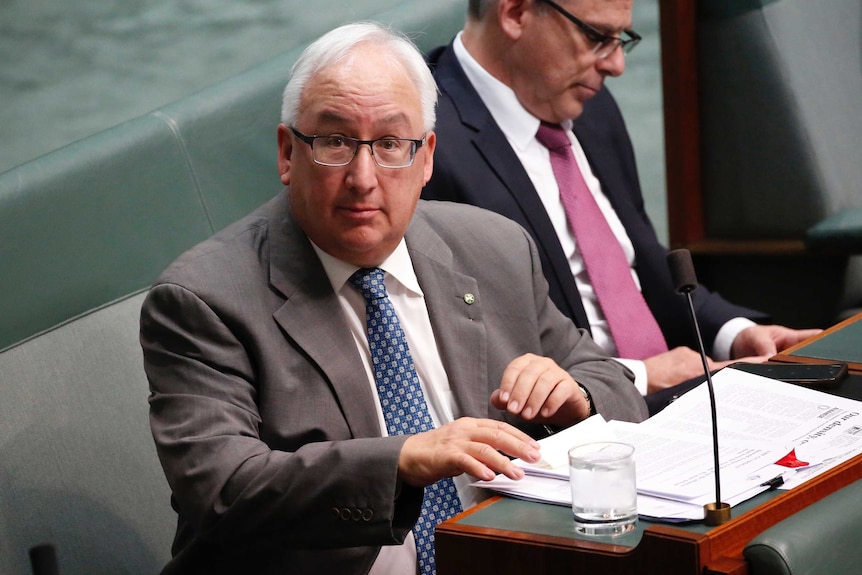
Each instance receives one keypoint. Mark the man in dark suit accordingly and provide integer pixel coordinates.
(271, 385)
(518, 64)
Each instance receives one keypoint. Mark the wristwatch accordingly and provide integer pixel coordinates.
(588, 399)
(552, 429)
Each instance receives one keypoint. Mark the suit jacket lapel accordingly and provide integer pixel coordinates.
(457, 324)
(311, 317)
(491, 143)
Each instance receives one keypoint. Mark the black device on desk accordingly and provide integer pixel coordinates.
(821, 375)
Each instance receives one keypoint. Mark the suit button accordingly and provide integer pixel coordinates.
(356, 514)
(336, 512)
(367, 515)
(345, 513)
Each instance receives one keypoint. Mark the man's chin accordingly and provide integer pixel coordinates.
(364, 248)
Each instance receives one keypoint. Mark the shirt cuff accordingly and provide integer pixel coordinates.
(638, 368)
(725, 336)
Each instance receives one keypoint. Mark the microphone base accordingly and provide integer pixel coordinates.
(716, 513)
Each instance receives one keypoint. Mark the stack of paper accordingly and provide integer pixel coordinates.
(770, 433)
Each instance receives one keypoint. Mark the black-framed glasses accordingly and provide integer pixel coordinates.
(603, 45)
(336, 151)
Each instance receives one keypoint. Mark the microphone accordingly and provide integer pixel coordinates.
(685, 282)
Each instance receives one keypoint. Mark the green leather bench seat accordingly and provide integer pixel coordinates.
(77, 466)
(781, 102)
(822, 539)
(780, 108)
(841, 233)
(92, 222)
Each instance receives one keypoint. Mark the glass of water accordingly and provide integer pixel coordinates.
(604, 493)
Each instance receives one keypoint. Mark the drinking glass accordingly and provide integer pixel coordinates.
(604, 493)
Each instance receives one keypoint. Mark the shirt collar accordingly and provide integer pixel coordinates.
(398, 265)
(518, 125)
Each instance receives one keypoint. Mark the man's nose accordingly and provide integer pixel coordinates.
(362, 170)
(614, 64)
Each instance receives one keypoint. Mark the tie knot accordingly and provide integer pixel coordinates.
(553, 137)
(370, 282)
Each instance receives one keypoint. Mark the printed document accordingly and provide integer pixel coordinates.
(771, 434)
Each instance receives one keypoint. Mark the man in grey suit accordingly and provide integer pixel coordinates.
(264, 399)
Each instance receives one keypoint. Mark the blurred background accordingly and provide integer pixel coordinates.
(70, 69)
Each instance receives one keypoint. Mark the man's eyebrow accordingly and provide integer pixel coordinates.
(332, 117)
(611, 30)
(607, 29)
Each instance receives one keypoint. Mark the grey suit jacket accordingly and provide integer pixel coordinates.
(260, 408)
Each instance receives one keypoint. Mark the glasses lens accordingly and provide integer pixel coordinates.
(606, 48)
(333, 150)
(633, 41)
(393, 153)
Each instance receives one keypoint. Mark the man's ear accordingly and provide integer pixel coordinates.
(511, 15)
(430, 144)
(285, 148)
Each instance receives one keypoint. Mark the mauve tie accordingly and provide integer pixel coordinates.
(633, 326)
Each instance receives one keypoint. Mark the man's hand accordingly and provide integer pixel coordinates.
(466, 445)
(535, 388)
(678, 365)
(767, 340)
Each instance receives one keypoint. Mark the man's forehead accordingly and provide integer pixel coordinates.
(343, 97)
(606, 15)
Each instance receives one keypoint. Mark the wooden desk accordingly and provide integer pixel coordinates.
(841, 342)
(504, 536)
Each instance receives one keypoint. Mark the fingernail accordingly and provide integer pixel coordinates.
(527, 413)
(513, 407)
(504, 396)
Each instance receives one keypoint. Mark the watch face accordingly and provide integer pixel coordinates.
(587, 398)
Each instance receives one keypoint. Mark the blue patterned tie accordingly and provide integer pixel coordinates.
(403, 402)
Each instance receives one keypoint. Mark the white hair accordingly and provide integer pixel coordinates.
(337, 44)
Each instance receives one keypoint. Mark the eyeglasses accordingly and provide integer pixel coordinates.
(603, 45)
(336, 151)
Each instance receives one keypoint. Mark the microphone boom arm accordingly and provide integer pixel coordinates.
(685, 282)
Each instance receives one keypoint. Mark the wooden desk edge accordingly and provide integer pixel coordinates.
(786, 357)
(730, 539)
(717, 552)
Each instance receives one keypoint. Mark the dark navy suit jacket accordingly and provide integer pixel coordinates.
(474, 164)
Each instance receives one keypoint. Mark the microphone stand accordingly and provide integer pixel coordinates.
(718, 512)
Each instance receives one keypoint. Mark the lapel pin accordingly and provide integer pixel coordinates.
(469, 298)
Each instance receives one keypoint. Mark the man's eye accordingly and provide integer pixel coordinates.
(596, 38)
(334, 142)
(388, 144)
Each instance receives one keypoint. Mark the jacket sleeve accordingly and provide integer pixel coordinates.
(214, 444)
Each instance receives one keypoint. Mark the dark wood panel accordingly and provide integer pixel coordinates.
(686, 223)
